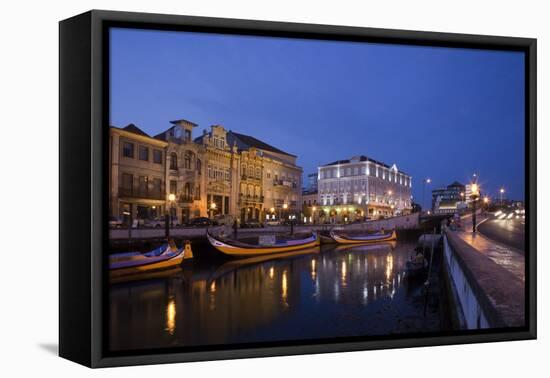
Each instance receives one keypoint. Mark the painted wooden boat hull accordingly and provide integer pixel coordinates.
(170, 258)
(364, 240)
(252, 250)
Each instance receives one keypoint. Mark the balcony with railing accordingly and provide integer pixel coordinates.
(285, 184)
(185, 199)
(137, 193)
(251, 198)
(250, 178)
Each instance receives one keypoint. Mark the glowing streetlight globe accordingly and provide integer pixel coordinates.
(171, 197)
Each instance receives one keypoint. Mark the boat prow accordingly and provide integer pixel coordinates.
(164, 257)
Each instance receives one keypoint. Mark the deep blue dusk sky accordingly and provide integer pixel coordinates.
(436, 112)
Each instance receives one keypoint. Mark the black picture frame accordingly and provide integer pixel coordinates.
(83, 100)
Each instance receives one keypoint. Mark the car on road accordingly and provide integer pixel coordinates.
(115, 222)
(251, 224)
(158, 222)
(201, 222)
(272, 222)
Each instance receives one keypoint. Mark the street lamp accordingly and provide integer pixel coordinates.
(474, 196)
(424, 182)
(501, 195)
(171, 199)
(212, 209)
(313, 209)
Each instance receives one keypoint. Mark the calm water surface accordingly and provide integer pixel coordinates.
(321, 293)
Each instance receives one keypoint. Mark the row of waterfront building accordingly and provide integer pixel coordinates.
(222, 172)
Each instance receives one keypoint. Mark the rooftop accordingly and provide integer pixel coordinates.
(246, 141)
(359, 159)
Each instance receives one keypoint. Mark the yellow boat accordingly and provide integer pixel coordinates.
(364, 239)
(237, 248)
(164, 257)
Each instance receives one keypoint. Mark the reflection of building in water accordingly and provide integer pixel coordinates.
(171, 316)
(246, 304)
(372, 269)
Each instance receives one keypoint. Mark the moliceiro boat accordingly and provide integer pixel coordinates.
(164, 257)
(278, 245)
(362, 239)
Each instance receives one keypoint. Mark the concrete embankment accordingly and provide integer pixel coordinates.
(486, 295)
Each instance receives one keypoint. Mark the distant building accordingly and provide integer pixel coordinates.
(362, 187)
(449, 200)
(310, 207)
(312, 182)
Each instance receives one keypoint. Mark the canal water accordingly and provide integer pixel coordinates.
(326, 292)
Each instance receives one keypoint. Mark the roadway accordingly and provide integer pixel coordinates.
(510, 232)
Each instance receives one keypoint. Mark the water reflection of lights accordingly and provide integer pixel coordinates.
(271, 272)
(171, 316)
(213, 287)
(344, 273)
(313, 269)
(284, 287)
(389, 267)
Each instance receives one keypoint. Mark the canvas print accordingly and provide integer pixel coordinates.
(272, 191)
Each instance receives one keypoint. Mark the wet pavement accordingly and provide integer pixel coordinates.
(324, 292)
(508, 257)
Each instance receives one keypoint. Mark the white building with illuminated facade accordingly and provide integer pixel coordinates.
(362, 187)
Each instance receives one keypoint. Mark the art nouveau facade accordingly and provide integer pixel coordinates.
(363, 187)
(219, 172)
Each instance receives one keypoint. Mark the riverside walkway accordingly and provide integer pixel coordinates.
(488, 278)
(509, 258)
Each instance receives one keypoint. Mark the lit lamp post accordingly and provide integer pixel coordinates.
(313, 209)
(285, 207)
(212, 209)
(474, 196)
(486, 203)
(501, 191)
(424, 182)
(169, 224)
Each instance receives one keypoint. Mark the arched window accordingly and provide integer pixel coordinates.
(199, 166)
(187, 192)
(187, 160)
(258, 173)
(173, 161)
(243, 170)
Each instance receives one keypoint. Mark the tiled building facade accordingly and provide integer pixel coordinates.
(218, 173)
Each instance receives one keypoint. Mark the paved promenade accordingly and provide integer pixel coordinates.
(505, 256)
